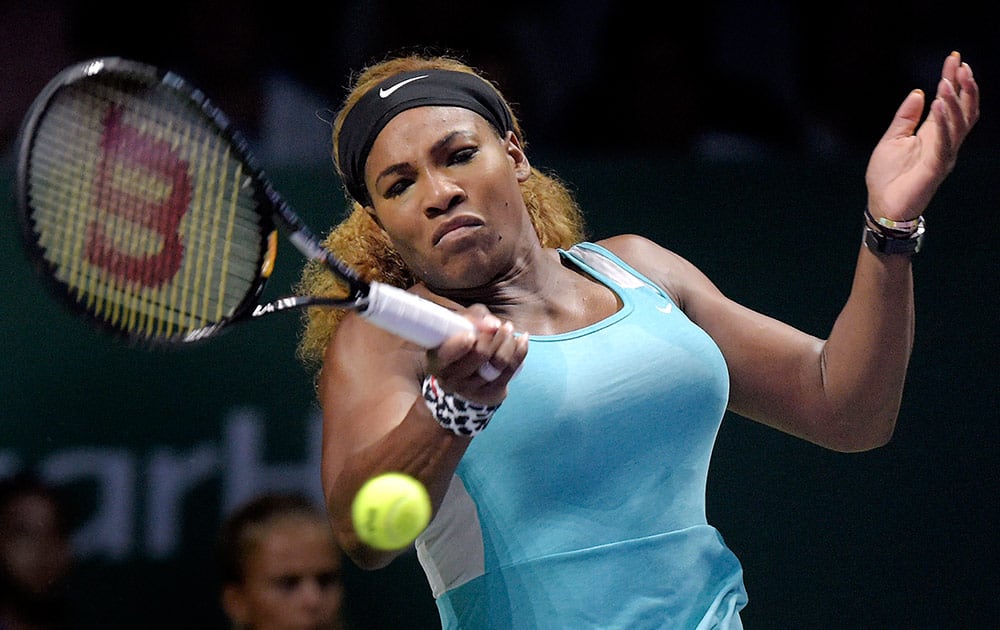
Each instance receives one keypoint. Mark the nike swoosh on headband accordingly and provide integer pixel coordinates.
(387, 92)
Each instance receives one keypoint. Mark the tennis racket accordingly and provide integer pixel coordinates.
(144, 208)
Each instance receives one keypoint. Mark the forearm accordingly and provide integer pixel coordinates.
(417, 446)
(864, 360)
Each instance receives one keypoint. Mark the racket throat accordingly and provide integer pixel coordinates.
(295, 302)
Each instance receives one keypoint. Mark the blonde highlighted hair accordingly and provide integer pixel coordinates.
(359, 241)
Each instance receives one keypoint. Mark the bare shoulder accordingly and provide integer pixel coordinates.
(672, 272)
(369, 379)
(634, 249)
(360, 351)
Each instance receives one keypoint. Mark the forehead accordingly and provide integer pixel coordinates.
(427, 124)
(32, 509)
(294, 545)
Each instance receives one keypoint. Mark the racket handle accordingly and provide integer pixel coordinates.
(412, 317)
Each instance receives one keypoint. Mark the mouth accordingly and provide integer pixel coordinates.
(453, 226)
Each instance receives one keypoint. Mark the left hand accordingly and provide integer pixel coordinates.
(906, 168)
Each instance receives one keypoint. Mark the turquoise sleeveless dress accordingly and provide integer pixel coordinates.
(582, 504)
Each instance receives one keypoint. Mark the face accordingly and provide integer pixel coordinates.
(445, 188)
(293, 580)
(33, 550)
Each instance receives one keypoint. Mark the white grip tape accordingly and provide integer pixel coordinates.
(418, 320)
(411, 317)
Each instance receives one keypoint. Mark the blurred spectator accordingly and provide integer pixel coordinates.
(34, 46)
(280, 567)
(35, 556)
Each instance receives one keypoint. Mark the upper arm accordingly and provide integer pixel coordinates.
(368, 384)
(775, 369)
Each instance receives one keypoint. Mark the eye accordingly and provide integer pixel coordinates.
(461, 156)
(328, 579)
(288, 583)
(397, 188)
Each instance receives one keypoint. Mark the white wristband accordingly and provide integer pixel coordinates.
(458, 415)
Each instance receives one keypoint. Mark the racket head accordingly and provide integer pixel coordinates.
(141, 204)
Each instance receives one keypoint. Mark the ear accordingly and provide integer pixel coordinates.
(374, 217)
(234, 603)
(514, 151)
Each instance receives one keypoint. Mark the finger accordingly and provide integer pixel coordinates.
(958, 113)
(484, 322)
(969, 94)
(951, 65)
(520, 353)
(941, 138)
(483, 319)
(507, 351)
(482, 360)
(907, 117)
(441, 360)
(489, 372)
(959, 74)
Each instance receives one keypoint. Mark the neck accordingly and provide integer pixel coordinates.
(542, 296)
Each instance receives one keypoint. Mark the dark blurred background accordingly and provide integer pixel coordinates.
(714, 78)
(733, 132)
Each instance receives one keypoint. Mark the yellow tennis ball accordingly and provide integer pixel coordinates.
(390, 510)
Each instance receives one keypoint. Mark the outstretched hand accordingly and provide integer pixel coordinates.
(913, 158)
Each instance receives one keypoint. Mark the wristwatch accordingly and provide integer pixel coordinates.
(882, 243)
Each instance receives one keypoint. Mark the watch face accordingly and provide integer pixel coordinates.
(883, 244)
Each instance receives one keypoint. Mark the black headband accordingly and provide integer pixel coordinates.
(401, 92)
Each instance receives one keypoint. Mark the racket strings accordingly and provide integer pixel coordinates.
(143, 210)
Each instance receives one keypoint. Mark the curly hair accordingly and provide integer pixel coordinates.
(359, 241)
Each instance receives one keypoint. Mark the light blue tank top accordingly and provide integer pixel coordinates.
(582, 504)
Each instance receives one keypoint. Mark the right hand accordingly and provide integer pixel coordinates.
(457, 361)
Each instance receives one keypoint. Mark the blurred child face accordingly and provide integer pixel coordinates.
(34, 552)
(293, 579)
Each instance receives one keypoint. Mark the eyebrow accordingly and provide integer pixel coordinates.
(402, 167)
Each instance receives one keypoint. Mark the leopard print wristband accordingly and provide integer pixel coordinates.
(458, 415)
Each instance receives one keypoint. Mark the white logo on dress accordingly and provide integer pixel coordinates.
(665, 309)
(387, 92)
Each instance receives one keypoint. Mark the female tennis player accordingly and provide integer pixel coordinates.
(569, 491)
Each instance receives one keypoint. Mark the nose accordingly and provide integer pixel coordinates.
(311, 593)
(440, 193)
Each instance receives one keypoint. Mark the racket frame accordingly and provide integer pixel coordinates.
(393, 309)
(271, 207)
